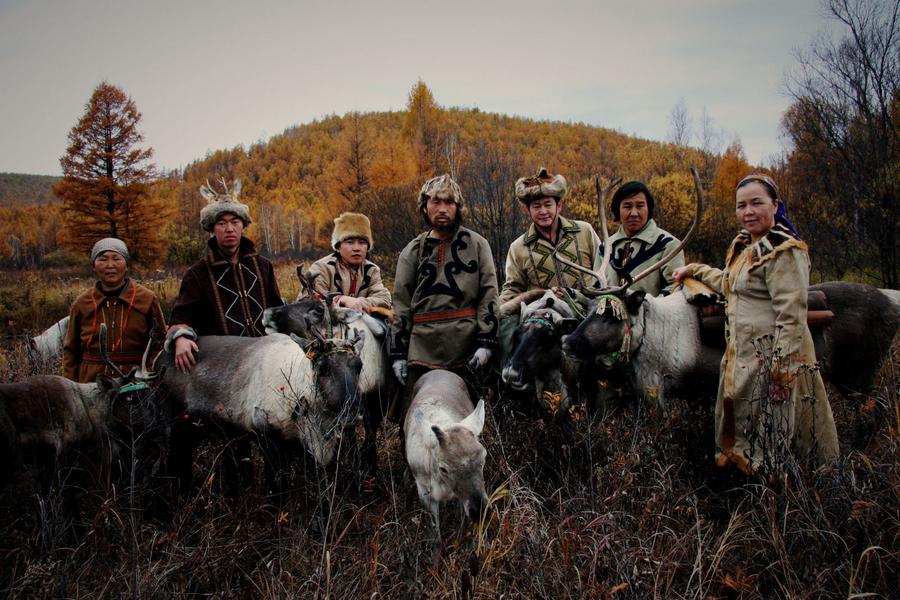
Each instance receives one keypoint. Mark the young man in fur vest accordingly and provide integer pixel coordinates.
(348, 271)
(445, 296)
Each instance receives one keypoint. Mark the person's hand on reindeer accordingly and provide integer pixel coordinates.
(349, 302)
(480, 359)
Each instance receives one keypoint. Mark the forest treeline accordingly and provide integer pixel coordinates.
(297, 182)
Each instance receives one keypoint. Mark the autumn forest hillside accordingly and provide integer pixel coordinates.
(375, 162)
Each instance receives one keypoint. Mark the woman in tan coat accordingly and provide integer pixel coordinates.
(771, 403)
(131, 312)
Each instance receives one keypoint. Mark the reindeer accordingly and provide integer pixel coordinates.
(442, 447)
(536, 361)
(44, 349)
(314, 315)
(52, 425)
(286, 390)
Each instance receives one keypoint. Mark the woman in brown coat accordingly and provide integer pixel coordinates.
(131, 312)
(772, 403)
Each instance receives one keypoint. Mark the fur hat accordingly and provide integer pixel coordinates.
(542, 185)
(221, 203)
(351, 225)
(443, 187)
(110, 243)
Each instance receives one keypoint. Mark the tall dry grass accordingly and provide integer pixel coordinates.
(625, 506)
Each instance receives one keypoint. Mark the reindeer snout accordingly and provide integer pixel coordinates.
(477, 504)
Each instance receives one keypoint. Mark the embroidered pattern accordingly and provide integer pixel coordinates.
(429, 272)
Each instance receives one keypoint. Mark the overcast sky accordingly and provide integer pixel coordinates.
(209, 75)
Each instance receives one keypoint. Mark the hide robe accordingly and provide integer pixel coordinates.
(530, 264)
(445, 300)
(768, 342)
(632, 255)
(132, 318)
(331, 275)
(218, 297)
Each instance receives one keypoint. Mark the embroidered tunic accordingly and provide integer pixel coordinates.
(132, 318)
(530, 264)
(768, 341)
(363, 282)
(445, 300)
(632, 255)
(218, 297)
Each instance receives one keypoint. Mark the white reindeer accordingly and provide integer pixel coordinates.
(442, 446)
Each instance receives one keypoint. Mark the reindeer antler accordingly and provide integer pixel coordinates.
(103, 353)
(601, 210)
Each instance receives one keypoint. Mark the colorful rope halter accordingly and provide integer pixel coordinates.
(618, 310)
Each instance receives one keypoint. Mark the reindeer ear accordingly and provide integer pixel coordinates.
(634, 300)
(304, 343)
(475, 421)
(105, 382)
(358, 341)
(440, 435)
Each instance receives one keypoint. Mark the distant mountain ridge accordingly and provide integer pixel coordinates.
(21, 189)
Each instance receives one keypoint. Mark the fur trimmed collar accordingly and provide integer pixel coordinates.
(778, 238)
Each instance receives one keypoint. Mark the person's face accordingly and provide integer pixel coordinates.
(543, 212)
(441, 212)
(634, 213)
(755, 209)
(228, 230)
(109, 267)
(353, 251)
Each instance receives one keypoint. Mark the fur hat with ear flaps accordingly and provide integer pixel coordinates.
(351, 225)
(442, 187)
(219, 203)
(542, 185)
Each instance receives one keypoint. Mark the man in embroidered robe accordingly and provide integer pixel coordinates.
(639, 242)
(348, 271)
(530, 263)
(225, 292)
(445, 296)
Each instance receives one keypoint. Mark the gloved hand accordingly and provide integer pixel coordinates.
(399, 367)
(481, 358)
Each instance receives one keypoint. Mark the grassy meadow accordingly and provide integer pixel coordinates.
(628, 505)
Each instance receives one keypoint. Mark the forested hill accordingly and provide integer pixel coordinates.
(298, 181)
(18, 189)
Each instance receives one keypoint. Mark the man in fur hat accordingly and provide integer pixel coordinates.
(445, 295)
(639, 242)
(225, 292)
(530, 264)
(348, 271)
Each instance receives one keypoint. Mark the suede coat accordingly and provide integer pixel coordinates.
(632, 255)
(768, 342)
(331, 275)
(218, 297)
(132, 318)
(445, 300)
(530, 264)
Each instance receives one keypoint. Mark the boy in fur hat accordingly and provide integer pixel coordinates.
(347, 270)
(445, 295)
